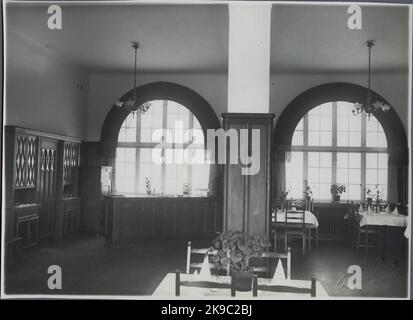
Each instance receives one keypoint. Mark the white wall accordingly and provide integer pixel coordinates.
(41, 89)
(105, 89)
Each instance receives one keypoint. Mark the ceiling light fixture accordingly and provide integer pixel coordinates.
(132, 105)
(370, 108)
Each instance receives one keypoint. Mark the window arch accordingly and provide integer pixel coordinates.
(161, 152)
(161, 90)
(330, 145)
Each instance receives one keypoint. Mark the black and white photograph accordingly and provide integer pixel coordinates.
(206, 150)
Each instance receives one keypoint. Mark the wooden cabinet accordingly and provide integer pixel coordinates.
(71, 215)
(41, 171)
(25, 160)
(27, 225)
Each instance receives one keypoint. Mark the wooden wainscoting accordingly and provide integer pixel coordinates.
(332, 225)
(128, 218)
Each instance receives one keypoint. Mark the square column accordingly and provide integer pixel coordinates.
(249, 57)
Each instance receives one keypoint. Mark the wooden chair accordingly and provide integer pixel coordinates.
(311, 291)
(200, 252)
(294, 226)
(264, 265)
(364, 237)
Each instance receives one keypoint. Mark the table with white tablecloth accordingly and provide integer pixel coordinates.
(385, 219)
(166, 289)
(309, 218)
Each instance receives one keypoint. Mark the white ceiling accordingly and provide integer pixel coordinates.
(194, 38)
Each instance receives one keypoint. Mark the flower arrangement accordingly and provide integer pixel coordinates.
(148, 186)
(337, 189)
(375, 195)
(236, 248)
(186, 189)
(308, 192)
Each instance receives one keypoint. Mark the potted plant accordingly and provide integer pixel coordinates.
(336, 191)
(369, 197)
(234, 249)
(186, 189)
(148, 186)
(308, 193)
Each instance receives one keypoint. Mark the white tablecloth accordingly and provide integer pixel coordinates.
(383, 219)
(310, 218)
(166, 289)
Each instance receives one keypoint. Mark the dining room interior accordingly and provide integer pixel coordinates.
(207, 149)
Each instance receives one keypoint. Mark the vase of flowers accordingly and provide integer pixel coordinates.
(336, 191)
(148, 186)
(234, 250)
(186, 189)
(308, 193)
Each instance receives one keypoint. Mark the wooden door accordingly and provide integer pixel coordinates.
(48, 188)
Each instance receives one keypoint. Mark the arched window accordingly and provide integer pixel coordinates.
(332, 146)
(153, 151)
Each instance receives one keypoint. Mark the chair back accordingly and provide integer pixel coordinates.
(198, 254)
(295, 216)
(262, 264)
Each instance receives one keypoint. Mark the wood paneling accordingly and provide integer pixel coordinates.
(331, 220)
(133, 217)
(247, 198)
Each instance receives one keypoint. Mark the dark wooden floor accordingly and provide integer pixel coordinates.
(91, 268)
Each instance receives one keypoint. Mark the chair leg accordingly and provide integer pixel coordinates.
(304, 243)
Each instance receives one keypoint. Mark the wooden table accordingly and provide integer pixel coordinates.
(166, 289)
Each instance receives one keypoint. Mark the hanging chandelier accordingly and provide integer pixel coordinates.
(132, 105)
(369, 107)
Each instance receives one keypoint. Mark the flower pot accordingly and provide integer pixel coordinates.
(148, 192)
(243, 280)
(336, 197)
(369, 200)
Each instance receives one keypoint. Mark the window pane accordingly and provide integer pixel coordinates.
(294, 175)
(326, 138)
(371, 160)
(355, 139)
(342, 139)
(298, 138)
(313, 159)
(354, 160)
(313, 138)
(131, 176)
(313, 123)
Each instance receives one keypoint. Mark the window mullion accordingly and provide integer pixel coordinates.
(334, 153)
(137, 151)
(363, 156)
(163, 165)
(305, 153)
